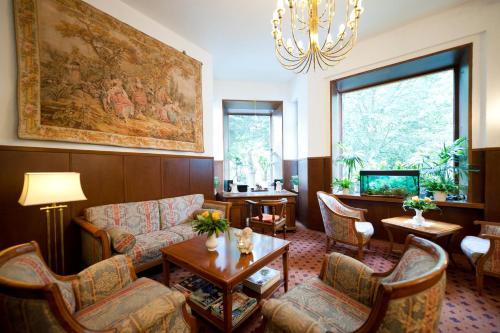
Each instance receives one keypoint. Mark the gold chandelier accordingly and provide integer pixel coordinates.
(310, 17)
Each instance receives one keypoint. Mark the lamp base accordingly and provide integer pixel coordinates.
(55, 221)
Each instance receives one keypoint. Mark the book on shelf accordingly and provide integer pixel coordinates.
(242, 305)
(200, 291)
(262, 280)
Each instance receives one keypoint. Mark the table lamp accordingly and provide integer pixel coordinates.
(52, 188)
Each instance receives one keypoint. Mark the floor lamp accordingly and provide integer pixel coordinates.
(52, 188)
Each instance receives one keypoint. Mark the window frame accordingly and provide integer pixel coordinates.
(458, 59)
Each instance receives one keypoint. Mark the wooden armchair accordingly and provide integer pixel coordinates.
(344, 223)
(483, 252)
(105, 297)
(272, 221)
(349, 296)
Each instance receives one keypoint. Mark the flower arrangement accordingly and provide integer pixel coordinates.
(416, 203)
(210, 223)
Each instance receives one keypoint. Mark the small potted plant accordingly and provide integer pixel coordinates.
(212, 224)
(420, 206)
(439, 187)
(343, 184)
(295, 183)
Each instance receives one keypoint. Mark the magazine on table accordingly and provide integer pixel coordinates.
(242, 304)
(199, 291)
(190, 284)
(261, 280)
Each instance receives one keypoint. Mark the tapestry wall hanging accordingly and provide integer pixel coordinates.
(84, 76)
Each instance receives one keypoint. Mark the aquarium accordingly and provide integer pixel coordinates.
(390, 183)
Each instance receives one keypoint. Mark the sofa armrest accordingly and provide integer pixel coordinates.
(103, 279)
(96, 245)
(219, 205)
(281, 316)
(350, 277)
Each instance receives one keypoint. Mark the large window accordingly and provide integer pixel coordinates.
(394, 124)
(253, 142)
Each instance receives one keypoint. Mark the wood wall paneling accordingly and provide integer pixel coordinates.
(303, 200)
(492, 185)
(290, 168)
(219, 172)
(107, 177)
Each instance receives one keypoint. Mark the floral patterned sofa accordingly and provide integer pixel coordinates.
(349, 296)
(105, 297)
(140, 229)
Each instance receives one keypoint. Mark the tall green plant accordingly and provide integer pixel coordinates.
(351, 159)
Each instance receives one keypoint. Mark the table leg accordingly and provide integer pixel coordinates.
(285, 269)
(228, 305)
(166, 272)
(449, 249)
(391, 239)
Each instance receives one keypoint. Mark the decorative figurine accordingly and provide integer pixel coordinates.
(234, 188)
(279, 186)
(244, 240)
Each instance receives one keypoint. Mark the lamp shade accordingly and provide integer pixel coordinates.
(51, 187)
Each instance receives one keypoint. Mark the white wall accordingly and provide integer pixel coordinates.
(260, 91)
(121, 11)
(475, 21)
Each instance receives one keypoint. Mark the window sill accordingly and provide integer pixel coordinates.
(461, 204)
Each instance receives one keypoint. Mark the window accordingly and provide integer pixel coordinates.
(396, 123)
(253, 142)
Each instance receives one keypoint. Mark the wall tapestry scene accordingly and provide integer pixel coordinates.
(86, 77)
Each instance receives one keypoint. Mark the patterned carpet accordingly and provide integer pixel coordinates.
(463, 310)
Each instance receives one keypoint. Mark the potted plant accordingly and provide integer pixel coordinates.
(439, 187)
(295, 183)
(343, 184)
(420, 206)
(212, 224)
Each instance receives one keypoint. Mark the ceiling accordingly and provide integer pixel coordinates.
(238, 33)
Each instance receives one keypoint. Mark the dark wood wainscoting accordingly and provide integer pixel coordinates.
(290, 168)
(107, 177)
(315, 174)
(492, 184)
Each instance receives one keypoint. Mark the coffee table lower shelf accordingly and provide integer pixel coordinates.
(219, 323)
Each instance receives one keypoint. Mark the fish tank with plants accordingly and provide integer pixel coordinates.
(390, 183)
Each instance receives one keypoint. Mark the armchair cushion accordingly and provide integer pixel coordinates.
(143, 306)
(30, 269)
(414, 263)
(365, 229)
(147, 246)
(351, 277)
(284, 317)
(135, 217)
(267, 218)
(474, 247)
(329, 308)
(102, 280)
(121, 240)
(178, 210)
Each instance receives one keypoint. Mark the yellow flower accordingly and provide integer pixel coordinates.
(427, 199)
(215, 216)
(415, 198)
(205, 214)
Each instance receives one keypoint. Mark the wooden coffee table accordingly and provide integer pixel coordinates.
(226, 268)
(432, 230)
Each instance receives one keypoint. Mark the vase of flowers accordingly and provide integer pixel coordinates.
(212, 224)
(420, 206)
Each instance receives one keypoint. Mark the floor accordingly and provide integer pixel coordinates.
(463, 310)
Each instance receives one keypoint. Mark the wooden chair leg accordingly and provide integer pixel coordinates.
(327, 243)
(479, 282)
(284, 231)
(369, 245)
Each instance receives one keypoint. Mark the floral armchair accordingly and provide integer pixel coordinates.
(349, 297)
(105, 297)
(483, 252)
(343, 223)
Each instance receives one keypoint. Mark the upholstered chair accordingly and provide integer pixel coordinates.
(343, 223)
(270, 222)
(483, 252)
(349, 297)
(105, 297)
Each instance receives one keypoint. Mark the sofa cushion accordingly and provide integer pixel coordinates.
(179, 210)
(330, 308)
(143, 306)
(29, 268)
(121, 240)
(135, 217)
(147, 246)
(184, 230)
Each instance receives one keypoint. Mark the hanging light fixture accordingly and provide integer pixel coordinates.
(310, 19)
